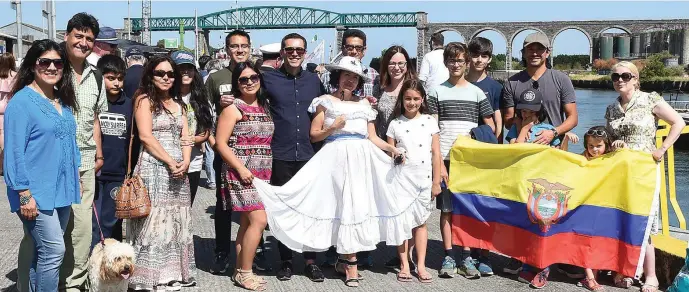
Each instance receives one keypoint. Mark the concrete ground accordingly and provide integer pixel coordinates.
(377, 279)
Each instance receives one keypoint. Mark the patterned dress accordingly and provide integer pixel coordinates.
(163, 241)
(250, 142)
(636, 125)
(386, 107)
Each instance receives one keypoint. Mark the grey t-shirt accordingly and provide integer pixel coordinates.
(555, 87)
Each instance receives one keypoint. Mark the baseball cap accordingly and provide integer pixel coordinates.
(182, 57)
(530, 99)
(107, 35)
(133, 51)
(537, 37)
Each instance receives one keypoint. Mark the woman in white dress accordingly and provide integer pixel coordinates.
(350, 194)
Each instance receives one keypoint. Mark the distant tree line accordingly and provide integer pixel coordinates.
(651, 67)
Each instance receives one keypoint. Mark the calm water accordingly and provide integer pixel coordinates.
(591, 105)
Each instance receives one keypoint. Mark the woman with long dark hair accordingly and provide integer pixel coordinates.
(163, 241)
(243, 137)
(199, 114)
(394, 70)
(7, 77)
(42, 158)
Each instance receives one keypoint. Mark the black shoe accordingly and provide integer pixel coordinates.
(285, 272)
(314, 273)
(221, 263)
(261, 262)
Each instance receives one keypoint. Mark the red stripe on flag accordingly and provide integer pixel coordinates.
(593, 252)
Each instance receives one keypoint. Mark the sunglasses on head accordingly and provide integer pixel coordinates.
(291, 50)
(597, 133)
(161, 73)
(625, 76)
(245, 80)
(44, 63)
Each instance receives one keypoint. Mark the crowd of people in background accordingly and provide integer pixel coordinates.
(333, 158)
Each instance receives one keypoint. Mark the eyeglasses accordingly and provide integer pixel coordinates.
(44, 63)
(455, 62)
(235, 47)
(625, 77)
(291, 50)
(161, 74)
(353, 47)
(535, 85)
(401, 65)
(245, 80)
(597, 133)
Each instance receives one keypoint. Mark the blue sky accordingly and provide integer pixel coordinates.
(113, 13)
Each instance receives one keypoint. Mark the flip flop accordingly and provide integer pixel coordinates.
(425, 277)
(649, 288)
(404, 277)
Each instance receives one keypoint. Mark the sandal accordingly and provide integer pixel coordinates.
(623, 282)
(248, 280)
(590, 284)
(425, 277)
(404, 277)
(649, 288)
(353, 282)
(340, 269)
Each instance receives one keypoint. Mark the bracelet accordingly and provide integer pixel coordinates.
(23, 200)
(100, 158)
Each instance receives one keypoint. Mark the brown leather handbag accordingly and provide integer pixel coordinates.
(132, 200)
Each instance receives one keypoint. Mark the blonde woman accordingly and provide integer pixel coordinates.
(632, 119)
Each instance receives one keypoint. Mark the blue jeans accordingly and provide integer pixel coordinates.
(105, 206)
(49, 247)
(208, 157)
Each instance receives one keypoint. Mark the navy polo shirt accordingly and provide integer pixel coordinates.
(290, 97)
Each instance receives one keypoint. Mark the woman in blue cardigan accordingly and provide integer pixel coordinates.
(41, 156)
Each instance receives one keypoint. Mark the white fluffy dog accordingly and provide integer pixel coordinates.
(110, 266)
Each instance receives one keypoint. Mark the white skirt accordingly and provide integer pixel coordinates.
(349, 195)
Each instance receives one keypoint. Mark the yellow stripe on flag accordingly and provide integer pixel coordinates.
(624, 180)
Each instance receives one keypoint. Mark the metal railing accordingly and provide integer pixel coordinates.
(667, 185)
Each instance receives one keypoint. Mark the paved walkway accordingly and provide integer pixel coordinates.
(377, 279)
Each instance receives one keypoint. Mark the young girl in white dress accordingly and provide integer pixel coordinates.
(417, 133)
(350, 194)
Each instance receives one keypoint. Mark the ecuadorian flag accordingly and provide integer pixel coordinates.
(543, 206)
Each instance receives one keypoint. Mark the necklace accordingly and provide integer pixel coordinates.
(53, 101)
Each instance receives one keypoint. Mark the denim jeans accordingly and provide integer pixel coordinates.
(105, 206)
(49, 247)
(208, 158)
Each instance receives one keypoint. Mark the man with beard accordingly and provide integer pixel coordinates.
(559, 101)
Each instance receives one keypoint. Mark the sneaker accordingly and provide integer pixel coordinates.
(525, 276)
(366, 262)
(314, 273)
(448, 268)
(261, 262)
(573, 272)
(221, 263)
(513, 267)
(468, 269)
(211, 186)
(541, 279)
(285, 272)
(484, 267)
(330, 258)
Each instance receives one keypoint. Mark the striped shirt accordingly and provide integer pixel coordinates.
(459, 109)
(90, 104)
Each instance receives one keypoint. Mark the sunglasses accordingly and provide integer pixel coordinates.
(161, 74)
(625, 77)
(597, 133)
(44, 63)
(353, 47)
(245, 80)
(291, 50)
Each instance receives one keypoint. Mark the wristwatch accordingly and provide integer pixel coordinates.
(23, 200)
(555, 133)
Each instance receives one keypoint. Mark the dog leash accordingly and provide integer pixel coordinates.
(102, 238)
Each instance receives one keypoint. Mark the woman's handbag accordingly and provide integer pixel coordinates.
(132, 200)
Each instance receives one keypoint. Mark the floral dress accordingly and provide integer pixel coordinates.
(250, 142)
(636, 125)
(163, 240)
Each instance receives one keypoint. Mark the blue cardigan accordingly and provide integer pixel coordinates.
(41, 152)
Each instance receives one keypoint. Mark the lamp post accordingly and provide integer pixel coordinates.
(17, 6)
